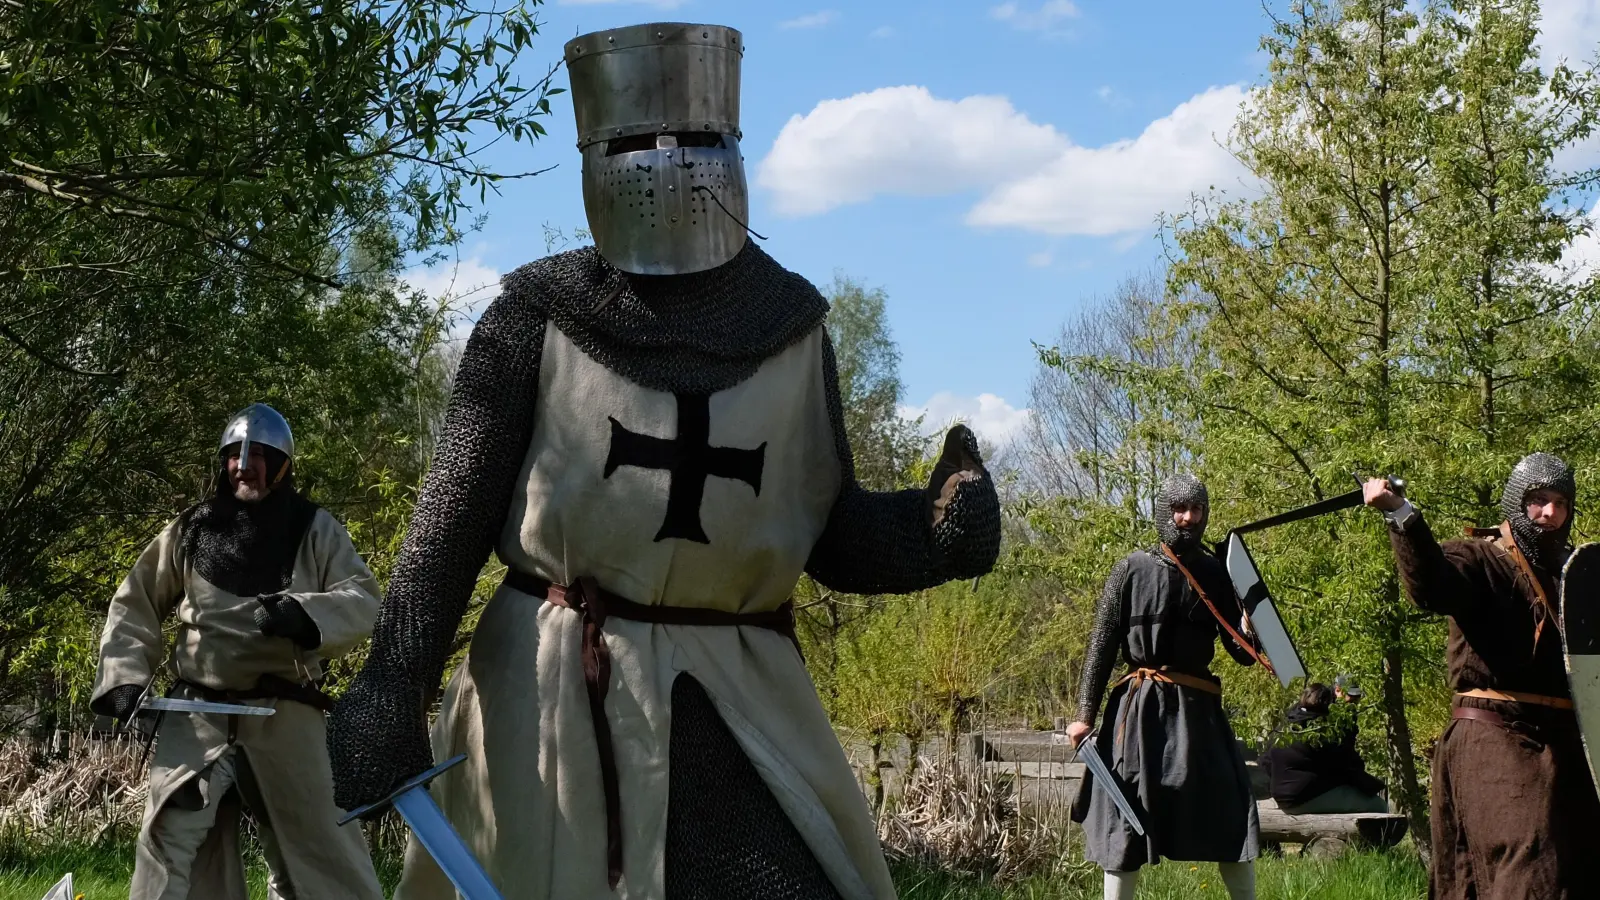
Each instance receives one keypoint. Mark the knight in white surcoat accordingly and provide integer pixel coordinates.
(649, 434)
(265, 588)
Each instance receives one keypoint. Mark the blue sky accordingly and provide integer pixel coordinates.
(993, 166)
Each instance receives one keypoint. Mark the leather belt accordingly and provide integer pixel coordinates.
(1167, 676)
(267, 687)
(1479, 715)
(596, 605)
(1517, 697)
(1138, 676)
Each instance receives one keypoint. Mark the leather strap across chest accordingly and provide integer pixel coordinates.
(596, 605)
(1248, 645)
(1546, 611)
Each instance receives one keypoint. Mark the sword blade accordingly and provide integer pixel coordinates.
(1089, 755)
(1332, 504)
(434, 833)
(172, 704)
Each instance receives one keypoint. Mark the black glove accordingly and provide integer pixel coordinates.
(377, 736)
(119, 703)
(282, 616)
(966, 528)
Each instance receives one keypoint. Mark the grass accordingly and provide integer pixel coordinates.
(101, 873)
(1390, 875)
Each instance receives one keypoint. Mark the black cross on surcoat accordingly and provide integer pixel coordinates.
(691, 459)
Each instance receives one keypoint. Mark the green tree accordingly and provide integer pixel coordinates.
(204, 203)
(886, 445)
(1380, 308)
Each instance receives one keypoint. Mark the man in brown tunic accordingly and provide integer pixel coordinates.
(1515, 813)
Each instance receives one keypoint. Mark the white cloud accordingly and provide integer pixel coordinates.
(904, 140)
(813, 20)
(1581, 259)
(995, 421)
(463, 288)
(1122, 186)
(1569, 31)
(900, 140)
(883, 31)
(1041, 259)
(1039, 19)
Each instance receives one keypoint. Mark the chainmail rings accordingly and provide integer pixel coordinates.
(727, 837)
(1539, 471)
(684, 334)
(1104, 642)
(378, 735)
(884, 542)
(1181, 490)
(247, 548)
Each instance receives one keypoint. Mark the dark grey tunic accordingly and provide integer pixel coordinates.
(1170, 744)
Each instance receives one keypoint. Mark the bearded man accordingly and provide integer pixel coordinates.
(265, 586)
(1515, 813)
(1166, 735)
(649, 433)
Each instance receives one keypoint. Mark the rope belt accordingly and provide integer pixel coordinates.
(1516, 697)
(595, 605)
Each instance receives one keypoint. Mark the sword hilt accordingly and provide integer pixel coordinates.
(419, 780)
(1398, 485)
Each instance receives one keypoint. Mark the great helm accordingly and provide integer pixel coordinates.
(657, 108)
(257, 423)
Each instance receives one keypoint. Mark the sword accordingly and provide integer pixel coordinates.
(1089, 755)
(434, 833)
(172, 704)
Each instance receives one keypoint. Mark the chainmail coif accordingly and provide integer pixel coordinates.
(684, 334)
(1539, 471)
(727, 837)
(1181, 490)
(247, 548)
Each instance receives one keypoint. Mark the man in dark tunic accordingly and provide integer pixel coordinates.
(1515, 814)
(1166, 735)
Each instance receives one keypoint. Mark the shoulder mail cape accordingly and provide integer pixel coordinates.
(686, 451)
(219, 647)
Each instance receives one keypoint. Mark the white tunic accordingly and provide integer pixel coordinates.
(597, 499)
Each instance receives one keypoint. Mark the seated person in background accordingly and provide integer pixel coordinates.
(1319, 770)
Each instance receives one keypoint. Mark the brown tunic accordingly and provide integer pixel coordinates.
(1515, 813)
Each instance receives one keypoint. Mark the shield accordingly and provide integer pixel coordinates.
(1257, 600)
(62, 890)
(1580, 636)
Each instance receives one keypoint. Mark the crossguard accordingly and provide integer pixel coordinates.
(419, 780)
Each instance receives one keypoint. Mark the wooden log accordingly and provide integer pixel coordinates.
(1373, 829)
